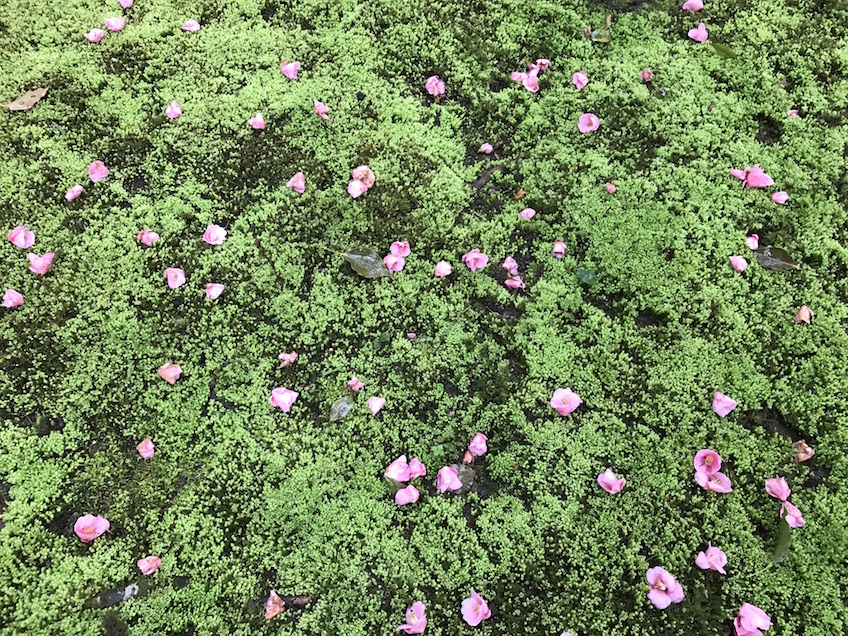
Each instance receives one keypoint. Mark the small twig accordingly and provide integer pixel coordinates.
(445, 335)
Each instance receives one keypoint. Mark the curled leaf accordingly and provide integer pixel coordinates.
(366, 262)
(774, 258)
(27, 100)
(519, 195)
(784, 540)
(393, 485)
(341, 407)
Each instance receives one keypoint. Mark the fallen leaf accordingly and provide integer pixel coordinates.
(366, 262)
(784, 540)
(601, 35)
(711, 106)
(805, 314)
(774, 258)
(519, 195)
(116, 595)
(393, 484)
(803, 452)
(341, 407)
(484, 177)
(723, 51)
(27, 100)
(587, 277)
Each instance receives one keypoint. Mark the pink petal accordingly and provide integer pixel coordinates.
(11, 298)
(297, 183)
(115, 24)
(376, 404)
(97, 171)
(588, 122)
(443, 268)
(738, 263)
(699, 34)
(580, 79)
(73, 192)
(193, 26)
(487, 148)
(290, 70)
(753, 241)
(95, 35)
(214, 290)
(780, 197)
(145, 448)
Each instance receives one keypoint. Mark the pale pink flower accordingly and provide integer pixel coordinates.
(274, 605)
(475, 259)
(565, 401)
(283, 398)
(169, 372)
(407, 495)
(712, 559)
(518, 76)
(398, 469)
(793, 515)
(434, 86)
(95, 35)
(742, 175)
(559, 248)
(780, 197)
(148, 565)
(73, 192)
(40, 264)
(416, 469)
(543, 64)
(611, 187)
(97, 171)
(257, 122)
(115, 24)
(753, 241)
(707, 461)
(793, 113)
(693, 5)
(287, 358)
(175, 277)
(365, 175)
(722, 404)
(356, 188)
(145, 448)
(11, 298)
(700, 34)
(514, 282)
(297, 183)
(22, 237)
(394, 263)
(468, 458)
(148, 237)
(416, 621)
(751, 621)
(717, 482)
(475, 610)
(321, 109)
(213, 290)
(400, 248)
(376, 404)
(290, 69)
(531, 83)
(447, 479)
(527, 213)
(778, 488)
(738, 263)
(411, 335)
(173, 110)
(756, 178)
(354, 384)
(646, 75)
(126, 4)
(89, 527)
(580, 79)
(665, 589)
(215, 235)
(477, 446)
(192, 26)
(443, 268)
(487, 148)
(588, 122)
(609, 482)
(510, 266)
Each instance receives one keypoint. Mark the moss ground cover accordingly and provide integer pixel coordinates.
(241, 498)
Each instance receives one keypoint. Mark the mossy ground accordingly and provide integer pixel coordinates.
(241, 498)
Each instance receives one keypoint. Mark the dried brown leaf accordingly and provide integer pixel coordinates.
(27, 100)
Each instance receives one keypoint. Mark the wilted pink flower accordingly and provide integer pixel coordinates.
(73, 192)
(757, 178)
(475, 610)
(148, 237)
(712, 559)
(97, 171)
(22, 237)
(559, 248)
(274, 605)
(415, 619)
(407, 495)
(477, 445)
(468, 458)
(175, 276)
(738, 263)
(115, 24)
(443, 268)
(609, 482)
(722, 404)
(290, 69)
(780, 197)
(435, 86)
(805, 314)
(527, 213)
(257, 122)
(753, 241)
(356, 188)
(751, 621)
(192, 26)
(693, 5)
(400, 248)
(793, 515)
(89, 527)
(321, 109)
(283, 398)
(778, 488)
(565, 401)
(95, 35)
(514, 282)
(717, 482)
(398, 469)
(354, 384)
(510, 266)
(287, 358)
(376, 404)
(707, 461)
(665, 589)
(447, 479)
(531, 83)
(215, 234)
(611, 187)
(297, 183)
(588, 122)
(699, 34)
(646, 75)
(148, 565)
(580, 79)
(793, 114)
(213, 290)
(365, 175)
(11, 298)
(487, 148)
(475, 259)
(170, 372)
(394, 263)
(416, 469)
(145, 448)
(40, 264)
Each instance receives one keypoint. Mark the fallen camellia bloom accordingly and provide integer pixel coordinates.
(447, 479)
(365, 175)
(283, 398)
(215, 235)
(148, 565)
(257, 122)
(527, 213)
(287, 358)
(416, 468)
(89, 527)
(148, 237)
(145, 447)
(213, 290)
(22, 237)
(751, 621)
(398, 470)
(611, 187)
(753, 241)
(588, 122)
(170, 372)
(175, 276)
(514, 282)
(435, 86)
(756, 178)
(443, 268)
(805, 314)
(722, 404)
(475, 259)
(40, 264)
(510, 266)
(400, 248)
(565, 401)
(580, 79)
(354, 384)
(173, 110)
(609, 482)
(700, 34)
(803, 451)
(415, 619)
(321, 109)
(11, 298)
(531, 83)
(487, 148)
(273, 606)
(646, 75)
(192, 26)
(95, 35)
(376, 404)
(477, 446)
(407, 495)
(356, 188)
(297, 183)
(73, 192)
(712, 559)
(793, 515)
(559, 248)
(290, 69)
(97, 171)
(717, 482)
(780, 197)
(518, 76)
(116, 24)
(475, 609)
(707, 461)
(665, 589)
(738, 263)
(394, 263)
(778, 488)
(693, 5)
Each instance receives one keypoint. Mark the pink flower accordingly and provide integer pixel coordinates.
(193, 26)
(646, 75)
(173, 110)
(394, 263)
(793, 114)
(559, 248)
(213, 290)
(320, 109)
(487, 148)
(543, 64)
(274, 605)
(416, 469)
(753, 241)
(411, 335)
(793, 515)
(97, 171)
(475, 610)
(95, 35)
(475, 259)
(89, 527)
(145, 448)
(565, 401)
(175, 276)
(73, 192)
(376, 404)
(257, 122)
(126, 4)
(531, 83)
(778, 488)
(115, 24)
(518, 76)
(712, 559)
(665, 589)
(356, 188)
(717, 482)
(365, 175)
(398, 469)
(11, 298)
(354, 384)
(611, 187)
(780, 197)
(477, 445)
(527, 213)
(610, 482)
(443, 268)
(215, 234)
(415, 619)
(693, 5)
(290, 69)
(722, 404)
(170, 372)
(148, 565)
(580, 79)
(757, 178)
(40, 264)
(514, 282)
(751, 621)
(148, 237)
(400, 248)
(447, 479)
(283, 397)
(707, 461)
(434, 86)
(407, 495)
(699, 34)
(510, 266)
(740, 174)
(22, 237)
(287, 358)
(297, 183)
(738, 263)
(588, 122)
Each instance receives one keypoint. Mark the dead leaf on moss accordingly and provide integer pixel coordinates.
(803, 451)
(805, 314)
(27, 100)
(519, 195)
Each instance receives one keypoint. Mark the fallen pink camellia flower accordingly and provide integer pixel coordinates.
(400, 248)
(588, 122)
(297, 183)
(707, 461)
(415, 619)
(320, 109)
(192, 26)
(559, 248)
(780, 197)
(287, 358)
(283, 398)
(646, 75)
(148, 237)
(756, 178)
(514, 282)
(793, 113)
(356, 188)
(712, 559)
(416, 468)
(170, 372)
(97, 171)
(40, 264)
(510, 266)
(22, 237)
(751, 621)
(717, 482)
(565, 401)
(723, 405)
(487, 148)
(145, 448)
(89, 527)
(215, 234)
(407, 495)
(73, 192)
(527, 213)
(175, 276)
(394, 263)
(580, 79)
(778, 488)
(611, 187)
(398, 469)
(148, 565)
(665, 589)
(447, 479)
(805, 314)
(95, 35)
(257, 122)
(738, 263)
(475, 609)
(376, 404)
(274, 605)
(700, 34)
(213, 290)
(609, 482)
(115, 24)
(475, 259)
(290, 69)
(531, 83)
(173, 110)
(793, 515)
(443, 268)
(434, 86)
(365, 175)
(354, 384)
(693, 5)
(11, 298)
(753, 241)
(477, 446)
(518, 76)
